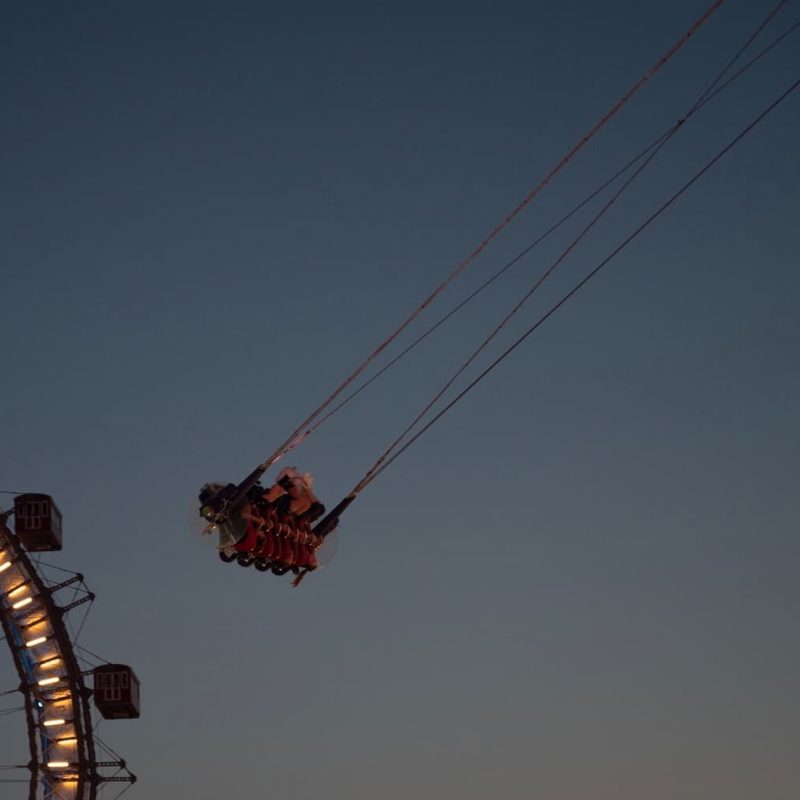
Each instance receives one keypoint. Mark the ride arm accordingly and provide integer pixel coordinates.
(329, 522)
(239, 492)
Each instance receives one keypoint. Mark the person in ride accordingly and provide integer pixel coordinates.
(297, 490)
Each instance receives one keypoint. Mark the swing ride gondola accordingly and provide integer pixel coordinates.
(270, 529)
(281, 528)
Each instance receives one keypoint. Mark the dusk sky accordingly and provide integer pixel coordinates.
(584, 580)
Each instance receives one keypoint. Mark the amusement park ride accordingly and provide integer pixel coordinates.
(66, 758)
(271, 528)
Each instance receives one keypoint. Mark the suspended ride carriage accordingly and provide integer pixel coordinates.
(276, 530)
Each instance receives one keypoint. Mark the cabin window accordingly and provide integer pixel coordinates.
(33, 515)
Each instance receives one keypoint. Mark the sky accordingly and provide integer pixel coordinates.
(582, 582)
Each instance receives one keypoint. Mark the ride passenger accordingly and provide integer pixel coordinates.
(293, 493)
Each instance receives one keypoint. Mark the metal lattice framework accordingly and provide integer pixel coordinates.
(63, 754)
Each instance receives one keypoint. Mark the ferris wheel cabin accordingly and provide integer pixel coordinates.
(37, 522)
(116, 692)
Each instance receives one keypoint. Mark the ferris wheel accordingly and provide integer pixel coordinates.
(67, 760)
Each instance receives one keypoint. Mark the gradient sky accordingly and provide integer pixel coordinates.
(583, 582)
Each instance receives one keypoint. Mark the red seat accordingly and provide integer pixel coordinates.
(248, 543)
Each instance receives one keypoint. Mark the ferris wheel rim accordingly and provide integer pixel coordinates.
(39, 640)
(49, 629)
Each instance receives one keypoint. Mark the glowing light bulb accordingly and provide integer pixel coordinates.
(51, 723)
(4, 566)
(22, 603)
(57, 764)
(49, 681)
(34, 642)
